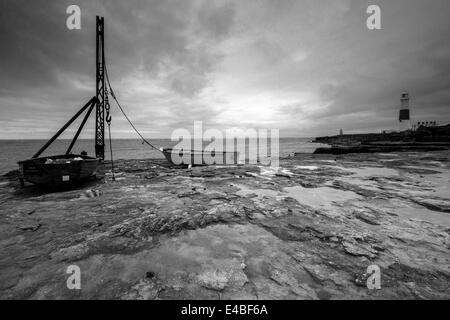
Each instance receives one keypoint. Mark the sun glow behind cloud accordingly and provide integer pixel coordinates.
(305, 67)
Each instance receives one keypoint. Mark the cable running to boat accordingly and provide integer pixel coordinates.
(125, 115)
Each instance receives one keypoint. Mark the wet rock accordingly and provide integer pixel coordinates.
(361, 279)
(227, 273)
(188, 194)
(323, 294)
(27, 212)
(30, 227)
(319, 273)
(356, 249)
(213, 279)
(378, 247)
(143, 290)
(230, 233)
(71, 253)
(283, 175)
(439, 205)
(92, 193)
(366, 217)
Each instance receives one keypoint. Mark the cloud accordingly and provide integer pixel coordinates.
(306, 67)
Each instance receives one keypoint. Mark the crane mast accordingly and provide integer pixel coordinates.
(100, 89)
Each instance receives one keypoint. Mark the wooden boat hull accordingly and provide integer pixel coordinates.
(57, 170)
(200, 158)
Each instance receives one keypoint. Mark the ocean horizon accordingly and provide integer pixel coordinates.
(13, 151)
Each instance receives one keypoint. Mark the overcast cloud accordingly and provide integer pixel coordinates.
(307, 68)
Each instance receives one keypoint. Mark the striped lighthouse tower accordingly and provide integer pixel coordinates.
(404, 115)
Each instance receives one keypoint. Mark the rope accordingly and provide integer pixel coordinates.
(108, 121)
(125, 115)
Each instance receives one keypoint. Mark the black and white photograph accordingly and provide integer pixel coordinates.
(225, 155)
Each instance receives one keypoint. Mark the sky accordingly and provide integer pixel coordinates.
(305, 67)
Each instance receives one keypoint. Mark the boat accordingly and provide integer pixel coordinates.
(58, 170)
(200, 157)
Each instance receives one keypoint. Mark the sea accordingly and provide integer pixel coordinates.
(12, 151)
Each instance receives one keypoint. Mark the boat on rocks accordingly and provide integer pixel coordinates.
(58, 170)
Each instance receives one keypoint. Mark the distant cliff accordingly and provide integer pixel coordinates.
(421, 140)
(422, 134)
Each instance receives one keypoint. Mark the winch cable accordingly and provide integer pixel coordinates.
(125, 115)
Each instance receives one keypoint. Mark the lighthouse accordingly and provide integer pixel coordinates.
(404, 115)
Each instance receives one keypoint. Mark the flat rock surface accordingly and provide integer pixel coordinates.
(306, 230)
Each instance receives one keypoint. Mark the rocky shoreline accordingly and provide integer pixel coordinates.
(307, 230)
(381, 147)
(423, 139)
